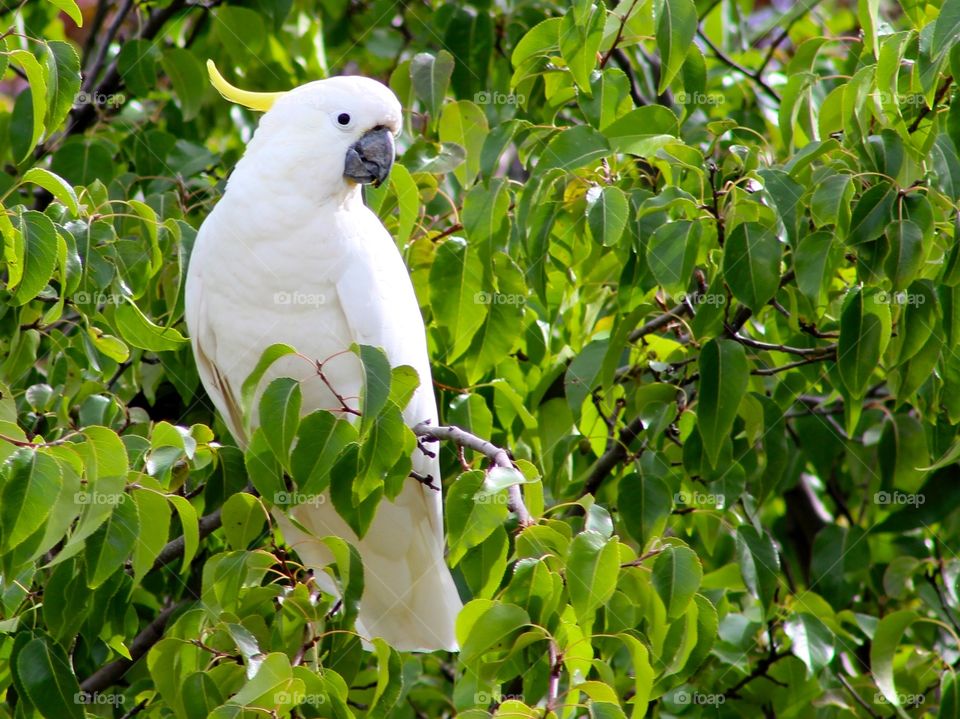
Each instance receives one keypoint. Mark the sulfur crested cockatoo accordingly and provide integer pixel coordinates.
(290, 254)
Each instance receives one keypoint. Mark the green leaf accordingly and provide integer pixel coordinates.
(154, 513)
(643, 131)
(321, 438)
(645, 504)
(580, 40)
(593, 563)
(811, 641)
(572, 148)
(30, 487)
(751, 264)
(469, 518)
(724, 376)
(280, 416)
(672, 252)
(676, 577)
(269, 356)
(883, 649)
(464, 123)
(38, 94)
(457, 295)
(137, 330)
(190, 526)
(946, 28)
(70, 8)
(109, 547)
(45, 672)
(55, 185)
(137, 63)
(864, 333)
(243, 518)
(906, 252)
(871, 213)
(63, 82)
(377, 377)
(35, 257)
(676, 27)
(188, 78)
(607, 216)
(759, 563)
(389, 679)
(491, 630)
(430, 76)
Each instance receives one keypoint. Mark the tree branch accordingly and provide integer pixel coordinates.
(97, 65)
(610, 459)
(497, 455)
(110, 674)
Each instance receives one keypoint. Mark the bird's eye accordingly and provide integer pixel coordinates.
(343, 118)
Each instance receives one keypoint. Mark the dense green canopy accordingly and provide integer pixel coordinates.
(694, 265)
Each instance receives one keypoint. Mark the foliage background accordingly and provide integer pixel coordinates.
(694, 264)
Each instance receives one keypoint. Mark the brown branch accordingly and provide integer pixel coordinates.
(97, 65)
(497, 455)
(110, 674)
(924, 111)
(610, 459)
(176, 547)
(619, 36)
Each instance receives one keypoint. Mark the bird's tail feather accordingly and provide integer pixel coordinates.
(409, 596)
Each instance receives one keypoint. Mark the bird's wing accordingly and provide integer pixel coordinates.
(382, 310)
(204, 342)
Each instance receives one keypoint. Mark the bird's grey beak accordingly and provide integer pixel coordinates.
(370, 158)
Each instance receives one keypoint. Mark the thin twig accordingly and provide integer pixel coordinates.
(97, 65)
(734, 65)
(497, 455)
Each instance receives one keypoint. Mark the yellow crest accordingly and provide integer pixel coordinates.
(261, 101)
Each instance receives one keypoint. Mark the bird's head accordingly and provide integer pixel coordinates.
(337, 132)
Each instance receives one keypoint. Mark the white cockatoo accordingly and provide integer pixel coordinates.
(291, 254)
